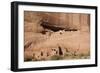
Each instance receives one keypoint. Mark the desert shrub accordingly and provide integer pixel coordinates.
(56, 57)
(28, 59)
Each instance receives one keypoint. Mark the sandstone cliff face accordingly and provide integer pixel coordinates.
(51, 36)
(66, 20)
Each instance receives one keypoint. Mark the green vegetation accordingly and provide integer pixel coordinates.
(56, 57)
(77, 56)
(69, 55)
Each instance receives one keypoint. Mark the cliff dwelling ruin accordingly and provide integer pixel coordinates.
(56, 36)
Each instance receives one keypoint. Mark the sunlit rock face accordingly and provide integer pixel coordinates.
(50, 35)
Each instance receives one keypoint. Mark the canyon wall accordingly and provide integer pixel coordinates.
(64, 35)
(66, 20)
